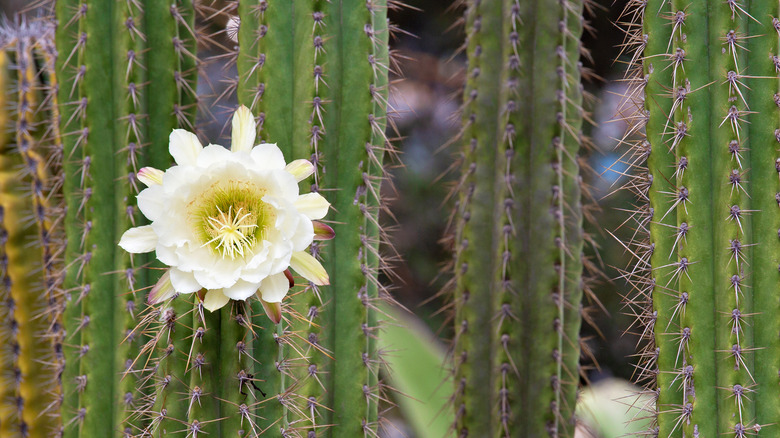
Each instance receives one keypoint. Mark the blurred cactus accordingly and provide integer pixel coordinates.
(518, 221)
(704, 146)
(30, 359)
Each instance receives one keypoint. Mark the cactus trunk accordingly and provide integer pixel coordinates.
(32, 336)
(518, 222)
(315, 75)
(116, 78)
(118, 103)
(707, 100)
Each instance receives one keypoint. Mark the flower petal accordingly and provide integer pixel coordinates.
(241, 290)
(184, 147)
(313, 205)
(184, 282)
(139, 240)
(243, 137)
(151, 202)
(322, 231)
(268, 156)
(163, 290)
(309, 267)
(289, 277)
(300, 169)
(150, 176)
(215, 300)
(304, 234)
(217, 276)
(274, 288)
(213, 153)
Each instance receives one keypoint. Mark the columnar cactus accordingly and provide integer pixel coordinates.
(315, 75)
(30, 361)
(706, 99)
(126, 79)
(518, 221)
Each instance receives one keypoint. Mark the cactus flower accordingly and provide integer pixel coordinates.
(229, 222)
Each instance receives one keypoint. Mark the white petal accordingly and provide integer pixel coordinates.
(313, 205)
(215, 300)
(241, 290)
(150, 176)
(184, 282)
(243, 136)
(184, 147)
(139, 239)
(215, 278)
(151, 202)
(309, 267)
(267, 156)
(167, 255)
(162, 290)
(274, 288)
(257, 274)
(304, 234)
(300, 169)
(213, 153)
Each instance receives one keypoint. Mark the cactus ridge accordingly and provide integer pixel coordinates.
(702, 113)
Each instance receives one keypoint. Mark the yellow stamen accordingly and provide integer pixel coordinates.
(233, 233)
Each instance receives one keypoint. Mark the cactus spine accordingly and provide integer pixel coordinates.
(705, 94)
(320, 91)
(518, 220)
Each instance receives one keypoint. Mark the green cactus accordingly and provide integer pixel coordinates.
(518, 221)
(126, 73)
(315, 75)
(705, 99)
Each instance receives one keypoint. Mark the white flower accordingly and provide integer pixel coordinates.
(229, 221)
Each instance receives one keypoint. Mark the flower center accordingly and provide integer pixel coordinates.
(230, 218)
(232, 232)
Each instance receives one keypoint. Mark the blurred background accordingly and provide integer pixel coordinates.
(426, 96)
